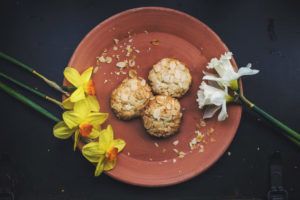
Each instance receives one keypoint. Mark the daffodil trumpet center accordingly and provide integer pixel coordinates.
(90, 88)
(229, 98)
(111, 154)
(234, 85)
(85, 129)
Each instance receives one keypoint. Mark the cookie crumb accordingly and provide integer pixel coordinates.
(176, 142)
(155, 42)
(95, 70)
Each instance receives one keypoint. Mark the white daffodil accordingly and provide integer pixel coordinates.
(227, 76)
(214, 99)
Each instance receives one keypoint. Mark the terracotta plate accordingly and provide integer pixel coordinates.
(154, 33)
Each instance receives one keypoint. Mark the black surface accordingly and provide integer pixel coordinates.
(45, 34)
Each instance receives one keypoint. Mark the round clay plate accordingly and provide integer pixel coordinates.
(147, 35)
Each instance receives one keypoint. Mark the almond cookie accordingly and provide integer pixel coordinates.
(130, 97)
(170, 77)
(162, 116)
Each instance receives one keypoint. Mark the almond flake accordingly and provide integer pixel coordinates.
(131, 63)
(211, 130)
(181, 154)
(156, 144)
(137, 51)
(116, 41)
(108, 59)
(174, 160)
(155, 42)
(101, 59)
(105, 81)
(202, 123)
(176, 142)
(115, 48)
(176, 151)
(122, 64)
(95, 70)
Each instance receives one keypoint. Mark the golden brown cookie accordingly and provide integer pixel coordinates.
(170, 77)
(162, 116)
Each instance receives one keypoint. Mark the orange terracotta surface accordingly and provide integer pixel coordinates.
(144, 161)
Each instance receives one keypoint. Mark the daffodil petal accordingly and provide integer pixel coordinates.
(77, 95)
(108, 165)
(106, 138)
(243, 71)
(100, 166)
(71, 118)
(94, 134)
(119, 144)
(76, 138)
(97, 118)
(73, 76)
(92, 152)
(82, 108)
(210, 111)
(223, 113)
(62, 131)
(87, 74)
(93, 103)
(67, 104)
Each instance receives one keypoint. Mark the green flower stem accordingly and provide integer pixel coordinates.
(69, 88)
(289, 133)
(32, 71)
(36, 92)
(28, 102)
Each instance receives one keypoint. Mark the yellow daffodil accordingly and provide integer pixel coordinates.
(104, 152)
(81, 121)
(91, 101)
(83, 83)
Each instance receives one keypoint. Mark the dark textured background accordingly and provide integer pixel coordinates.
(45, 34)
